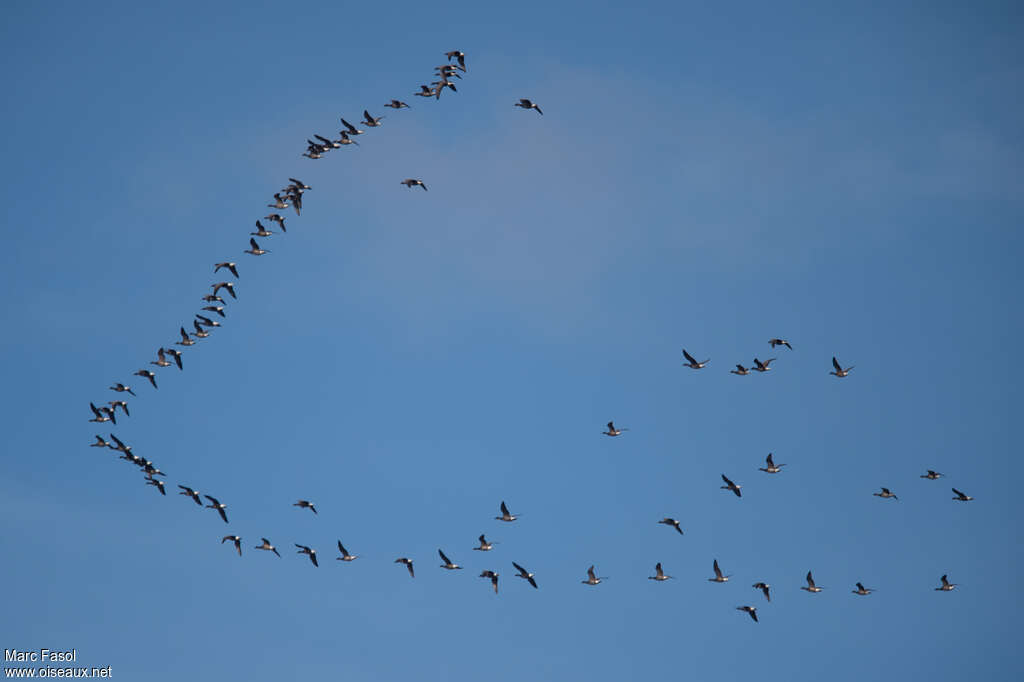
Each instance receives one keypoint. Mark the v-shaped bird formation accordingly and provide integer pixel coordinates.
(291, 197)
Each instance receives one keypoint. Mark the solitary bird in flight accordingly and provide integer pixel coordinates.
(505, 515)
(692, 363)
(612, 431)
(932, 475)
(305, 504)
(961, 497)
(484, 545)
(811, 587)
(413, 182)
(408, 564)
(863, 591)
(527, 104)
(669, 521)
(780, 342)
(659, 575)
(447, 562)
(946, 586)
(494, 579)
(311, 553)
(345, 556)
(235, 539)
(592, 579)
(839, 372)
(765, 589)
(729, 485)
(772, 468)
(885, 494)
(719, 578)
(526, 575)
(749, 609)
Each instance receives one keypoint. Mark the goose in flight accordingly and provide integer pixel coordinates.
(592, 579)
(345, 556)
(946, 586)
(659, 575)
(749, 609)
(458, 56)
(305, 504)
(839, 371)
(408, 564)
(120, 446)
(932, 475)
(261, 231)
(527, 104)
(371, 121)
(780, 342)
(267, 546)
(772, 468)
(729, 485)
(255, 250)
(311, 553)
(186, 340)
(441, 85)
(351, 129)
(692, 363)
(413, 182)
(811, 587)
(157, 483)
(765, 589)
(121, 388)
(218, 309)
(199, 332)
(863, 591)
(160, 361)
(211, 298)
(100, 416)
(214, 504)
(669, 521)
(484, 545)
(100, 443)
(762, 366)
(397, 104)
(505, 515)
(235, 539)
(207, 321)
(612, 431)
(425, 91)
(740, 371)
(114, 404)
(279, 202)
(961, 497)
(224, 285)
(885, 494)
(526, 575)
(719, 578)
(231, 266)
(188, 492)
(276, 218)
(149, 375)
(447, 562)
(494, 579)
(176, 354)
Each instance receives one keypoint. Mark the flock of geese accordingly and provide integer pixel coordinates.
(203, 323)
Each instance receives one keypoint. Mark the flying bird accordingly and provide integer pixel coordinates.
(811, 587)
(228, 264)
(279, 202)
(447, 562)
(780, 342)
(931, 475)
(669, 521)
(275, 218)
(99, 416)
(261, 231)
(408, 564)
(305, 504)
(397, 104)
(719, 578)
(505, 515)
(494, 579)
(692, 363)
(149, 375)
(659, 575)
(863, 591)
(526, 575)
(100, 443)
(527, 104)
(612, 431)
(235, 539)
(255, 250)
(729, 485)
(157, 483)
(484, 545)
(413, 182)
(345, 556)
(459, 56)
(839, 372)
(764, 587)
(772, 468)
(885, 494)
(121, 388)
(961, 497)
(762, 366)
(176, 354)
(207, 321)
(188, 492)
(114, 404)
(592, 579)
(946, 586)
(230, 286)
(160, 361)
(218, 506)
(740, 370)
(371, 121)
(351, 129)
(311, 553)
(749, 609)
(186, 340)
(267, 546)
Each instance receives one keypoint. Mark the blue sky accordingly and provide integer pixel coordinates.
(847, 178)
